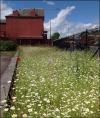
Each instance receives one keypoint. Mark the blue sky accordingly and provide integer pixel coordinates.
(85, 10)
(81, 14)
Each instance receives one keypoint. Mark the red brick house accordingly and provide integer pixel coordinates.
(24, 26)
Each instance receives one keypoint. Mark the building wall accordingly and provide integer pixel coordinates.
(2, 29)
(24, 27)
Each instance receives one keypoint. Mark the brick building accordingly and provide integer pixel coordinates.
(24, 26)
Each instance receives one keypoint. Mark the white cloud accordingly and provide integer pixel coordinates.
(49, 2)
(79, 27)
(5, 10)
(59, 21)
(63, 26)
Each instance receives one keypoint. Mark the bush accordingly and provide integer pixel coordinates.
(8, 46)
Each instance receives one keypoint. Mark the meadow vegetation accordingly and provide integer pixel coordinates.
(53, 83)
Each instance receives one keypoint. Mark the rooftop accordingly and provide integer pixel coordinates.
(26, 12)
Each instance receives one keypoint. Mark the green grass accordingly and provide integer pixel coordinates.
(55, 83)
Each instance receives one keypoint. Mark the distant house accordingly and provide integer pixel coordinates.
(24, 26)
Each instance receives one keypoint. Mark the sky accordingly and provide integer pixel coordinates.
(67, 16)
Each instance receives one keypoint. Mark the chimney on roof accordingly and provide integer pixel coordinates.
(33, 13)
(16, 13)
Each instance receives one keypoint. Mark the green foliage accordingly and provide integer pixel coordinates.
(97, 42)
(55, 36)
(7, 46)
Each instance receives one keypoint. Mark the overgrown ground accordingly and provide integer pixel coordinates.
(56, 84)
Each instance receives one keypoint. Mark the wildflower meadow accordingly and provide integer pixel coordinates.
(55, 83)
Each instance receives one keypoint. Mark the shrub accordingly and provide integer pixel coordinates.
(8, 46)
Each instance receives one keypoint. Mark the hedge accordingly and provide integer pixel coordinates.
(8, 46)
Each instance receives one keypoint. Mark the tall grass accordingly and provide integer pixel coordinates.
(54, 83)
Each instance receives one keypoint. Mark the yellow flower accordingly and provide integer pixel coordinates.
(24, 115)
(14, 98)
(29, 110)
(6, 109)
(14, 116)
(35, 112)
(3, 101)
(12, 108)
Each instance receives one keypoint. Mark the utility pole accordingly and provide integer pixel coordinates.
(50, 34)
(50, 29)
(68, 32)
(86, 39)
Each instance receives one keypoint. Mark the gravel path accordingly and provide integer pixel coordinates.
(4, 61)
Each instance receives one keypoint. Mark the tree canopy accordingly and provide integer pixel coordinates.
(55, 36)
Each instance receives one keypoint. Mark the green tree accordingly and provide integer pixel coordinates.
(55, 36)
(97, 42)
